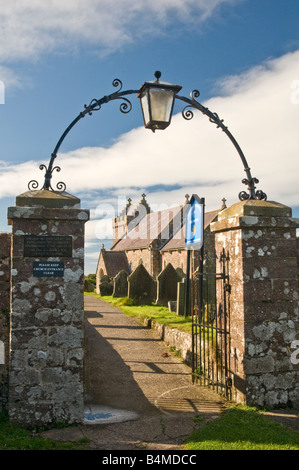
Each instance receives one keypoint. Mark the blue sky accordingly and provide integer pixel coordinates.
(56, 56)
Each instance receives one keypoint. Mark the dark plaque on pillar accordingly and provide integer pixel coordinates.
(45, 246)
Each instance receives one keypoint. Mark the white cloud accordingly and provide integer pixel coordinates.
(260, 108)
(259, 112)
(32, 27)
(15, 176)
(192, 156)
(9, 78)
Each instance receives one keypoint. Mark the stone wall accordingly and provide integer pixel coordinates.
(5, 247)
(136, 257)
(180, 340)
(177, 258)
(260, 238)
(46, 362)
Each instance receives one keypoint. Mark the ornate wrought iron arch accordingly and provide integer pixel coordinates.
(214, 118)
(94, 105)
(125, 107)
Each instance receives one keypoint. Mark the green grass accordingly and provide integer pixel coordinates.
(238, 427)
(243, 428)
(153, 312)
(13, 437)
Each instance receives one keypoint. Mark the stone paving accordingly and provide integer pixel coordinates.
(138, 395)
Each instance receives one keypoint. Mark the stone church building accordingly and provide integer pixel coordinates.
(154, 239)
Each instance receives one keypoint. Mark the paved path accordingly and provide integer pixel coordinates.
(138, 396)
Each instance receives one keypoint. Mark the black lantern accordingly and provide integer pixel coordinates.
(157, 100)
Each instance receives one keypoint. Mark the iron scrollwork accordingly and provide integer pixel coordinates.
(260, 195)
(125, 107)
(117, 83)
(94, 105)
(60, 186)
(187, 114)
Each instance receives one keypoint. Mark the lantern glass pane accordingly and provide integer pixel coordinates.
(145, 110)
(161, 104)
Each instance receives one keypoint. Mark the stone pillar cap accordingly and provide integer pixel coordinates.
(253, 207)
(48, 199)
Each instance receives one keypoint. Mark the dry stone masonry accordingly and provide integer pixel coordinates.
(47, 284)
(260, 238)
(5, 247)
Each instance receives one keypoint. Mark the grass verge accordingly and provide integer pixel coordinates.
(238, 428)
(243, 428)
(13, 437)
(153, 312)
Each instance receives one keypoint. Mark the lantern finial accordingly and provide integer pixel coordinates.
(158, 74)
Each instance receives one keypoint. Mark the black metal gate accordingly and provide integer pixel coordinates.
(211, 325)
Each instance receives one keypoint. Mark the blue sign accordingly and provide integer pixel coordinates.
(48, 268)
(195, 223)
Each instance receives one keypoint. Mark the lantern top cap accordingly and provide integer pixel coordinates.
(157, 83)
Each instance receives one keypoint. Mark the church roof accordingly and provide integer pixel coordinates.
(155, 225)
(114, 262)
(167, 226)
(177, 242)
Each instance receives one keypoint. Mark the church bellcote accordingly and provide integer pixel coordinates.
(129, 217)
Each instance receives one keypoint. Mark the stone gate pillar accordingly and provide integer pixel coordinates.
(260, 238)
(47, 288)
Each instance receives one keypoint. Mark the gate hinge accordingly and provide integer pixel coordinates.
(229, 382)
(227, 288)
